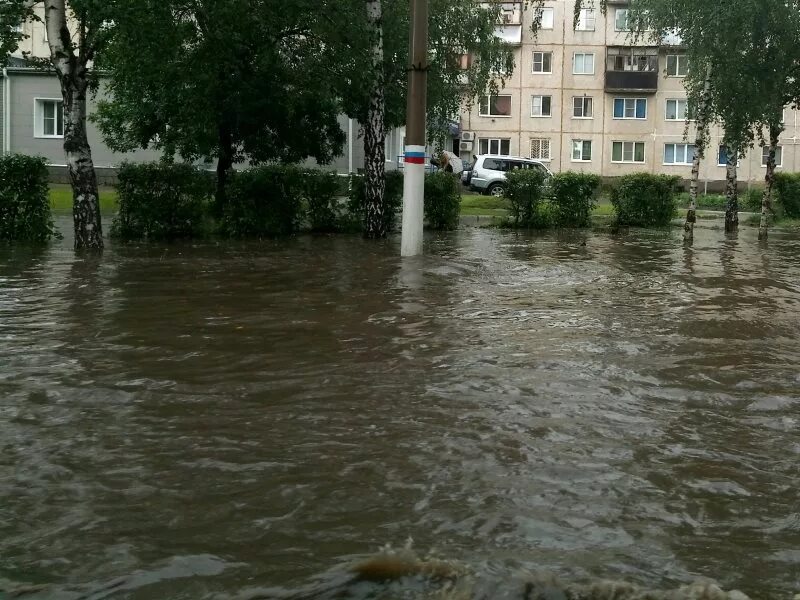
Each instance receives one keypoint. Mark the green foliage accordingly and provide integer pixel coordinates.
(751, 198)
(321, 190)
(787, 194)
(264, 202)
(572, 198)
(442, 200)
(524, 190)
(393, 200)
(162, 201)
(644, 200)
(704, 201)
(24, 200)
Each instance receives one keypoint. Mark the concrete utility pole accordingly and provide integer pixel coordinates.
(414, 181)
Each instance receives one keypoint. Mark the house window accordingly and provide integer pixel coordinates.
(49, 118)
(627, 152)
(545, 16)
(722, 157)
(778, 156)
(678, 154)
(622, 20)
(501, 147)
(586, 21)
(677, 65)
(677, 109)
(495, 106)
(387, 149)
(543, 62)
(583, 64)
(582, 107)
(581, 150)
(630, 108)
(541, 106)
(540, 149)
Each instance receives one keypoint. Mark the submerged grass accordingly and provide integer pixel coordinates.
(61, 198)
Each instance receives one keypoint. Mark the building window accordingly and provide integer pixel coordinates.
(495, 106)
(630, 108)
(543, 62)
(677, 109)
(582, 107)
(581, 150)
(545, 17)
(586, 21)
(540, 149)
(49, 118)
(501, 147)
(722, 157)
(627, 152)
(778, 156)
(541, 106)
(678, 154)
(622, 20)
(583, 64)
(677, 65)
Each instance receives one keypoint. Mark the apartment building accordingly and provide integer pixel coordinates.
(585, 98)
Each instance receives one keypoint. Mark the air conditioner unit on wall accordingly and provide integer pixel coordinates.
(466, 146)
(467, 136)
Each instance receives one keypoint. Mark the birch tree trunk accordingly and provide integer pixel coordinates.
(375, 224)
(73, 74)
(701, 140)
(731, 190)
(769, 180)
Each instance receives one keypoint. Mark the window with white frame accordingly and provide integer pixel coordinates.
(543, 62)
(545, 17)
(677, 109)
(587, 20)
(627, 152)
(581, 150)
(678, 154)
(583, 63)
(541, 106)
(540, 149)
(495, 106)
(498, 146)
(387, 149)
(630, 108)
(722, 157)
(778, 156)
(49, 118)
(677, 65)
(622, 20)
(583, 107)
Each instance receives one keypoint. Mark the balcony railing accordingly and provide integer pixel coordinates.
(632, 81)
(632, 69)
(509, 21)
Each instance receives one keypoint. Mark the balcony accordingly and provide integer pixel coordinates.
(632, 69)
(509, 22)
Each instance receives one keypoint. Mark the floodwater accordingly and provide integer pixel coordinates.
(205, 421)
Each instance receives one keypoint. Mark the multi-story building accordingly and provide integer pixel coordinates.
(585, 97)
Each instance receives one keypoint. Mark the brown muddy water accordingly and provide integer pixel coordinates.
(207, 421)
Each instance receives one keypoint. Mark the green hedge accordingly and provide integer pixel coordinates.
(525, 191)
(393, 199)
(24, 200)
(750, 199)
(645, 200)
(572, 198)
(442, 201)
(787, 194)
(321, 191)
(162, 201)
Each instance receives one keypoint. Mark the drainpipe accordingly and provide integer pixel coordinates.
(6, 113)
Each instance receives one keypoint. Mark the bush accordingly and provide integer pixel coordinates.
(750, 199)
(265, 202)
(162, 201)
(393, 200)
(704, 201)
(787, 194)
(645, 200)
(321, 190)
(24, 199)
(572, 198)
(524, 190)
(442, 200)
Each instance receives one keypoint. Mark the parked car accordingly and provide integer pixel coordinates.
(489, 172)
(466, 174)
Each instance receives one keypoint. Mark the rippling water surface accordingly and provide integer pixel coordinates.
(196, 421)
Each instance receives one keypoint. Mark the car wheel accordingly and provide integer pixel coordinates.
(496, 190)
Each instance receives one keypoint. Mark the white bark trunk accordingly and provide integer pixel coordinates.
(769, 180)
(376, 220)
(72, 71)
(701, 140)
(732, 191)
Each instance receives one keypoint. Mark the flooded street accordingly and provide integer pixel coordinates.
(201, 421)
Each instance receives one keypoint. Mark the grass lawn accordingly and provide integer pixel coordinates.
(61, 198)
(490, 206)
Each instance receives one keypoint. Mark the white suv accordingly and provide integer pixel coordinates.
(488, 174)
